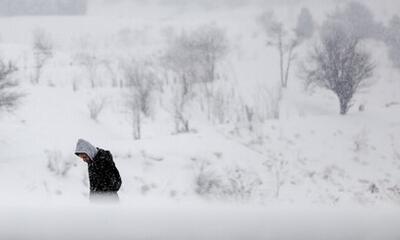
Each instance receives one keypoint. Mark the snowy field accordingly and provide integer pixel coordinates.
(311, 173)
(188, 221)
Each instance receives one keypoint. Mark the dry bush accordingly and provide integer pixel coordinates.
(9, 97)
(235, 184)
(57, 164)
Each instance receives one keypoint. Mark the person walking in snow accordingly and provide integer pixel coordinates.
(104, 177)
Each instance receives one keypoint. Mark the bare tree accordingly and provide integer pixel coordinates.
(180, 101)
(141, 82)
(42, 50)
(283, 40)
(141, 78)
(180, 60)
(8, 96)
(194, 58)
(90, 62)
(221, 104)
(268, 99)
(277, 165)
(392, 40)
(249, 113)
(109, 65)
(210, 45)
(87, 56)
(134, 109)
(338, 64)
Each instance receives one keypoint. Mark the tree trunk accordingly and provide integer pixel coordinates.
(278, 183)
(136, 124)
(37, 74)
(289, 61)
(208, 100)
(280, 46)
(343, 106)
(186, 125)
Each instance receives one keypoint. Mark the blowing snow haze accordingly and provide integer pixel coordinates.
(42, 7)
(226, 119)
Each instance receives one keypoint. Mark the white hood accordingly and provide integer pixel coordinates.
(83, 146)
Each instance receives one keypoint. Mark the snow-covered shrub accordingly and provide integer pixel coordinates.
(235, 184)
(207, 182)
(249, 113)
(277, 166)
(268, 102)
(145, 186)
(219, 106)
(95, 106)
(394, 193)
(396, 148)
(75, 84)
(57, 164)
(373, 188)
(242, 184)
(361, 141)
(225, 101)
(8, 96)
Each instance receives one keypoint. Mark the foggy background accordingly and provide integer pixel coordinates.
(227, 119)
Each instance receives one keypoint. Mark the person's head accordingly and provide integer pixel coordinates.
(85, 150)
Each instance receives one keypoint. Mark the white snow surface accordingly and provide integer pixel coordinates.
(312, 174)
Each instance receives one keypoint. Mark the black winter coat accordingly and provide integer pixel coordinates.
(103, 174)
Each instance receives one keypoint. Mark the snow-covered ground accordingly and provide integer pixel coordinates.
(188, 221)
(272, 177)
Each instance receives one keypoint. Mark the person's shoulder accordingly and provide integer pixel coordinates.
(103, 154)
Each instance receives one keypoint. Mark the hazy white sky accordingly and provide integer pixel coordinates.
(383, 9)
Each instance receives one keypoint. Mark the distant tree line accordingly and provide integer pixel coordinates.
(42, 7)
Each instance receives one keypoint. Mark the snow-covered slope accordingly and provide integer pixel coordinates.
(310, 155)
(325, 159)
(310, 174)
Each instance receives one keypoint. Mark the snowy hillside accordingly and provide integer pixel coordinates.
(324, 159)
(259, 153)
